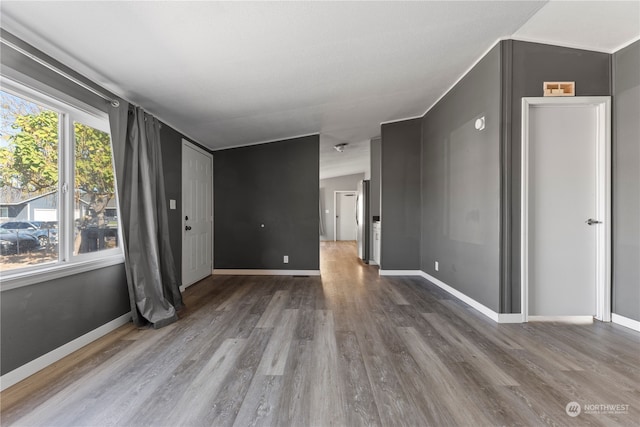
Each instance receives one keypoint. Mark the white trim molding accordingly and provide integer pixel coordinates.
(30, 368)
(57, 271)
(625, 321)
(510, 318)
(625, 44)
(249, 144)
(496, 317)
(462, 297)
(257, 272)
(400, 272)
(404, 119)
(579, 320)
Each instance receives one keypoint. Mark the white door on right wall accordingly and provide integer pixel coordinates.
(566, 209)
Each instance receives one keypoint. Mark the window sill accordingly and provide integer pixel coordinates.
(18, 280)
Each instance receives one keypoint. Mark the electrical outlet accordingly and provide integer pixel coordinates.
(286, 259)
(437, 266)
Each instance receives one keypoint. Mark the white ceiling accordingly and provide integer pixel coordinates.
(595, 25)
(354, 159)
(236, 73)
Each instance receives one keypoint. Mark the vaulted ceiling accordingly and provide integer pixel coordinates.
(236, 73)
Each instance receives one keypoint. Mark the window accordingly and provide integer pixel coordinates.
(94, 191)
(56, 174)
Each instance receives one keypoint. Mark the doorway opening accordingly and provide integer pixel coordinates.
(345, 223)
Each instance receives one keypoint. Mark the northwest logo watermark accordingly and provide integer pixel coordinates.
(574, 409)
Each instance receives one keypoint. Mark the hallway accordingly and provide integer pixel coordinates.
(350, 348)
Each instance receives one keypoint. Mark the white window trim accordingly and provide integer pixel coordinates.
(67, 263)
(57, 271)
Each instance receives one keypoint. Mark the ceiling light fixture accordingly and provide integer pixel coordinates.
(340, 147)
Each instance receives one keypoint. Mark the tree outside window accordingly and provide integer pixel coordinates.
(33, 144)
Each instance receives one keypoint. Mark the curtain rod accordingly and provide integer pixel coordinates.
(111, 100)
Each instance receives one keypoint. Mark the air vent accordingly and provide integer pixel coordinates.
(559, 88)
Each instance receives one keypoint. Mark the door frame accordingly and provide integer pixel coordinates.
(335, 210)
(603, 198)
(188, 144)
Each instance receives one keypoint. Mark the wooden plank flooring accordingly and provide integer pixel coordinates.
(347, 349)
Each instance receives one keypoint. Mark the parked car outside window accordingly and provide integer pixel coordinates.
(45, 232)
(17, 242)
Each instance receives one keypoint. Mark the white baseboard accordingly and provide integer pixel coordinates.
(473, 303)
(30, 368)
(400, 272)
(496, 317)
(256, 272)
(580, 320)
(510, 318)
(625, 321)
(462, 297)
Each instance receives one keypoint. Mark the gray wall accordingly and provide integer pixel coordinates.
(470, 217)
(626, 182)
(400, 193)
(37, 319)
(375, 179)
(327, 188)
(528, 66)
(461, 185)
(275, 184)
(171, 144)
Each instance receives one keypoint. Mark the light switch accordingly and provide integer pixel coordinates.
(172, 204)
(326, 211)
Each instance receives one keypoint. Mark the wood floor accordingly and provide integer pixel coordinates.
(347, 349)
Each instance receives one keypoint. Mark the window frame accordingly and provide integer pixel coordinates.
(70, 111)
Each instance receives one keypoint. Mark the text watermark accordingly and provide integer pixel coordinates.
(574, 409)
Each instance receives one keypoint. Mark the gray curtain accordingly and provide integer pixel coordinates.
(151, 275)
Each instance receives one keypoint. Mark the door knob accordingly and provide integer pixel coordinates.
(592, 221)
(188, 227)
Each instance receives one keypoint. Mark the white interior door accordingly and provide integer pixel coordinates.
(346, 227)
(565, 208)
(197, 214)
